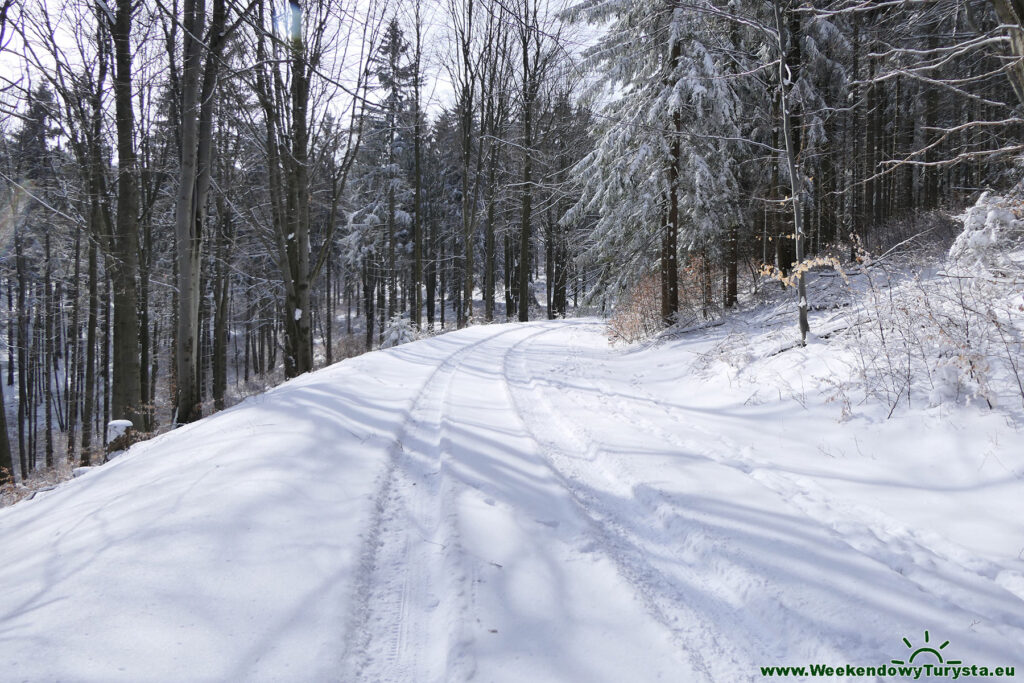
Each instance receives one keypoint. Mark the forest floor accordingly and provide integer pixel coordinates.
(525, 502)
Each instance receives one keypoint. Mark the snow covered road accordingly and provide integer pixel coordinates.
(523, 503)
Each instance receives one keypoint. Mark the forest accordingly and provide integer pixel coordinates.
(203, 198)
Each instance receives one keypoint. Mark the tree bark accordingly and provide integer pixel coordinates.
(731, 266)
(6, 457)
(670, 236)
(525, 235)
(416, 303)
(88, 402)
(123, 266)
(187, 241)
(198, 98)
(788, 75)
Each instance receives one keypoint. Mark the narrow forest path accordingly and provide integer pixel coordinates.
(522, 502)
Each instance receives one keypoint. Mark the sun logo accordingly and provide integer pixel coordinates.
(925, 649)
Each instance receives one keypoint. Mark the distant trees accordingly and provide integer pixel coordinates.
(779, 131)
(208, 196)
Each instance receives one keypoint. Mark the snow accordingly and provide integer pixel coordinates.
(298, 314)
(116, 428)
(523, 502)
(987, 224)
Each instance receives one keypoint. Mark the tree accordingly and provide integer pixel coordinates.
(124, 243)
(416, 77)
(202, 46)
(1011, 16)
(788, 41)
(6, 459)
(660, 172)
(464, 74)
(286, 71)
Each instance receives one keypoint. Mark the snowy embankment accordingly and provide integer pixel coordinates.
(522, 502)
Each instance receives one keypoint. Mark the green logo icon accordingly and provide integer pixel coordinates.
(925, 649)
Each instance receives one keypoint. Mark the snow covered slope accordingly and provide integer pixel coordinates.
(523, 503)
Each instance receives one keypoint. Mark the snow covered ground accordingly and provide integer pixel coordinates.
(524, 503)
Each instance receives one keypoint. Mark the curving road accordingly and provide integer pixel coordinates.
(547, 516)
(517, 503)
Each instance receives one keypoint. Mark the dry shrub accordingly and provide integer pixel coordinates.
(45, 479)
(637, 313)
(700, 290)
(348, 346)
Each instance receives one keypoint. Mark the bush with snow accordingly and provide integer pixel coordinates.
(399, 331)
(992, 229)
(951, 332)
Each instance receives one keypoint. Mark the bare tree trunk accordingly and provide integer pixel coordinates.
(854, 193)
(525, 225)
(731, 263)
(187, 241)
(329, 302)
(465, 77)
(90, 357)
(11, 318)
(430, 269)
(108, 328)
(221, 288)
(511, 279)
(466, 128)
(123, 266)
(147, 378)
(198, 98)
(670, 236)
(6, 458)
(931, 112)
(368, 303)
(489, 241)
(46, 344)
(528, 94)
(75, 365)
(787, 76)
(23, 371)
(416, 303)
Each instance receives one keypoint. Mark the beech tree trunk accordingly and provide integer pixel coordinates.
(123, 266)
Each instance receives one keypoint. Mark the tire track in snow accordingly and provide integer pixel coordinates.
(667, 602)
(390, 578)
(934, 564)
(452, 579)
(738, 577)
(458, 576)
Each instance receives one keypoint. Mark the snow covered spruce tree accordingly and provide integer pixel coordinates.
(387, 128)
(662, 175)
(378, 243)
